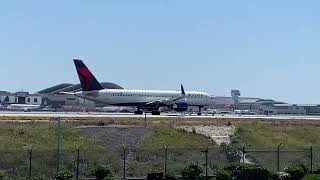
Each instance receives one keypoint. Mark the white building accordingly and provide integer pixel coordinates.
(21, 98)
(33, 99)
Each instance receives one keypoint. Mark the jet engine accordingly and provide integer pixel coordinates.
(180, 106)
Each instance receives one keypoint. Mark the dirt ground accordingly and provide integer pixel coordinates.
(219, 134)
(114, 136)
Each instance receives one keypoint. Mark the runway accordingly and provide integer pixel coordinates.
(163, 115)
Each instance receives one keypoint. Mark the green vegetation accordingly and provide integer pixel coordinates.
(101, 172)
(265, 135)
(312, 177)
(254, 135)
(183, 148)
(2, 174)
(63, 175)
(191, 172)
(169, 136)
(243, 171)
(18, 139)
(296, 172)
(41, 136)
(223, 175)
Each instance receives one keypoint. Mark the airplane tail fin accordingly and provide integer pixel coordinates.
(87, 80)
(182, 91)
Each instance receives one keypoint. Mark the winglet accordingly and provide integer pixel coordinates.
(182, 90)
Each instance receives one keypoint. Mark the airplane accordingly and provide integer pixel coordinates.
(18, 107)
(147, 100)
(24, 107)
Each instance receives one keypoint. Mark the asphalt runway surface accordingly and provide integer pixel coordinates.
(163, 115)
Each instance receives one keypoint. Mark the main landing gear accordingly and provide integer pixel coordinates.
(155, 112)
(138, 111)
(152, 112)
(199, 113)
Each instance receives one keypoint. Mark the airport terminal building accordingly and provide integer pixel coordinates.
(250, 105)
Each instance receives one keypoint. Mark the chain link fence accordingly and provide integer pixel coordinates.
(126, 163)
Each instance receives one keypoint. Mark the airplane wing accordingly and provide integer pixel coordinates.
(94, 94)
(69, 93)
(168, 101)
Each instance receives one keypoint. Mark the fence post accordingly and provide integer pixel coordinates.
(57, 119)
(145, 118)
(30, 163)
(78, 162)
(206, 163)
(278, 157)
(311, 159)
(124, 161)
(165, 159)
(243, 154)
(207, 150)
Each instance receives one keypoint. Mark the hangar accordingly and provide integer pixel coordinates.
(52, 95)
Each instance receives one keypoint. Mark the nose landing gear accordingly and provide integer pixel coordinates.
(199, 113)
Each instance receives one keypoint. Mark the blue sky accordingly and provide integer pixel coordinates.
(266, 49)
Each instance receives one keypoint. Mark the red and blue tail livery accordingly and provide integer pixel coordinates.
(87, 80)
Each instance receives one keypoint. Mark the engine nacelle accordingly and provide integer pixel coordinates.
(180, 106)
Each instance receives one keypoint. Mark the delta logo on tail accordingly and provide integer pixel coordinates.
(88, 81)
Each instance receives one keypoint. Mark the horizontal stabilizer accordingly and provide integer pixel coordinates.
(69, 93)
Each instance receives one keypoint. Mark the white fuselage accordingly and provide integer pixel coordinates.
(23, 107)
(123, 97)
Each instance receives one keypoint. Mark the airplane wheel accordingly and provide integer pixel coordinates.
(155, 112)
(138, 112)
(199, 113)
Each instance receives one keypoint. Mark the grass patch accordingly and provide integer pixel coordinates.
(183, 148)
(264, 135)
(296, 140)
(17, 139)
(41, 136)
(169, 136)
(312, 177)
